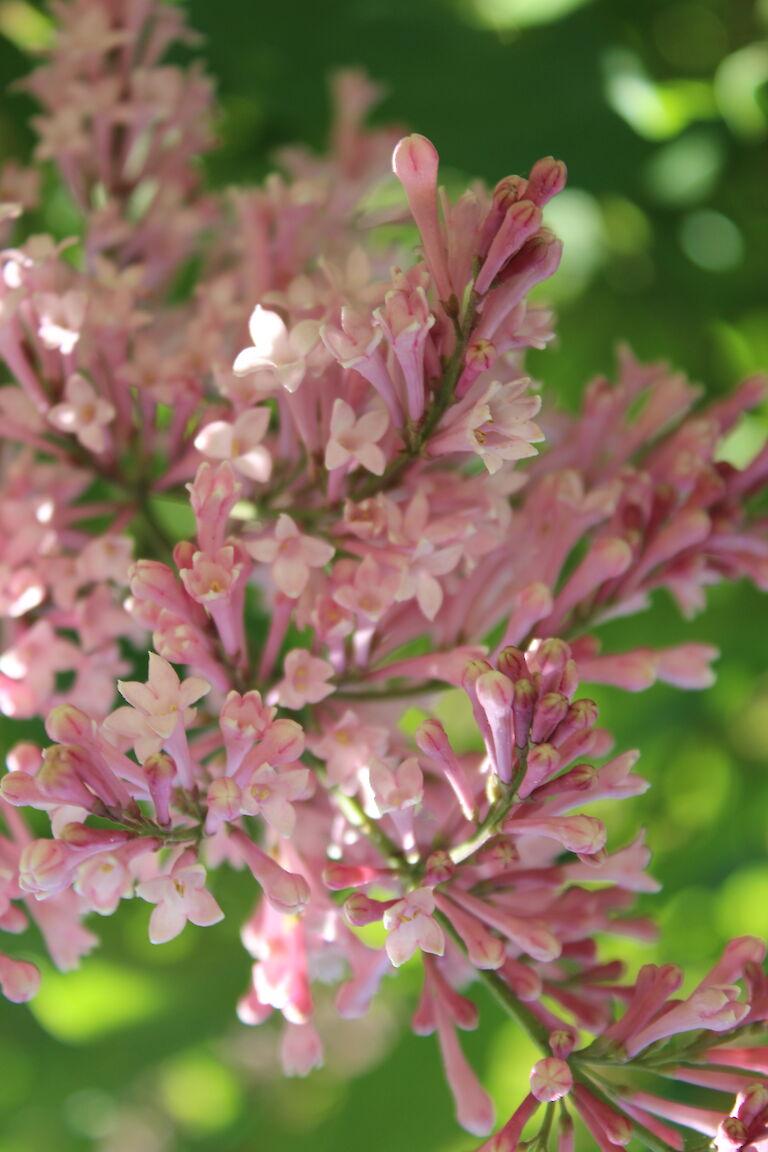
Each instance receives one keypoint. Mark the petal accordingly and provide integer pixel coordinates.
(137, 694)
(162, 678)
(266, 329)
(372, 425)
(431, 938)
(372, 458)
(279, 814)
(192, 689)
(336, 455)
(342, 417)
(291, 576)
(285, 527)
(202, 909)
(429, 595)
(251, 426)
(126, 722)
(249, 360)
(215, 440)
(400, 946)
(167, 920)
(255, 464)
(262, 550)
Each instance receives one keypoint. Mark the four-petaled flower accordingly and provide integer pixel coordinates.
(157, 707)
(306, 679)
(356, 440)
(83, 413)
(240, 443)
(291, 555)
(179, 896)
(276, 354)
(271, 794)
(410, 925)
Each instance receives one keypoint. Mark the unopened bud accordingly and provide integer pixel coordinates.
(440, 868)
(547, 178)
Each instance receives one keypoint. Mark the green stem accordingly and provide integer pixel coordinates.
(530, 1024)
(353, 810)
(652, 1142)
(416, 438)
(495, 816)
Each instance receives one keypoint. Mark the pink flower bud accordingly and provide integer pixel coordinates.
(337, 877)
(58, 778)
(359, 909)
(520, 222)
(522, 710)
(224, 803)
(19, 979)
(160, 773)
(547, 178)
(67, 724)
(495, 693)
(551, 1079)
(439, 868)
(543, 761)
(599, 1117)
(512, 663)
(415, 163)
(500, 853)
(24, 757)
(286, 891)
(563, 1041)
(22, 790)
(752, 1104)
(550, 711)
(44, 867)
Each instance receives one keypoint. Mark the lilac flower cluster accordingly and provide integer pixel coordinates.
(364, 540)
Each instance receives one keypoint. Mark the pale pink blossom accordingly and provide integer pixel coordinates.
(394, 789)
(239, 442)
(371, 591)
(410, 925)
(292, 554)
(356, 440)
(84, 413)
(179, 896)
(271, 794)
(61, 321)
(498, 426)
(715, 1007)
(277, 355)
(212, 575)
(103, 881)
(157, 708)
(305, 680)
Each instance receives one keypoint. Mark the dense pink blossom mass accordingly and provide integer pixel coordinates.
(384, 511)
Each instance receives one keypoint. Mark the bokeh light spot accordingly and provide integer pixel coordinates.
(742, 903)
(96, 1000)
(200, 1092)
(685, 170)
(711, 241)
(740, 84)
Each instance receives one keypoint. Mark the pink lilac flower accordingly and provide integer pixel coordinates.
(410, 926)
(356, 440)
(179, 896)
(292, 555)
(157, 708)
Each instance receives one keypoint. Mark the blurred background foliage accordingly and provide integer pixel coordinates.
(660, 110)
